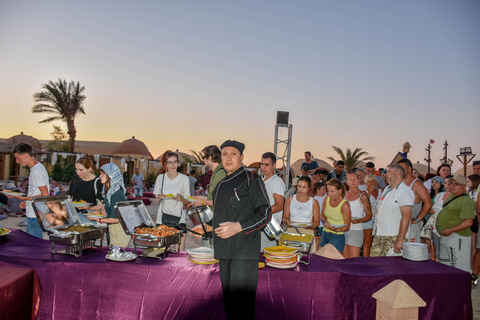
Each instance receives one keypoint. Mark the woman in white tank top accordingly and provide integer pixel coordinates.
(374, 193)
(361, 212)
(302, 210)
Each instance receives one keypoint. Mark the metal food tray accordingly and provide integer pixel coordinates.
(56, 214)
(303, 247)
(133, 214)
(153, 241)
(76, 238)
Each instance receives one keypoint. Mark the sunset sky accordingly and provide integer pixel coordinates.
(186, 74)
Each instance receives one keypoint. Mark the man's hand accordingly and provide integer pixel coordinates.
(446, 232)
(228, 229)
(397, 248)
(23, 205)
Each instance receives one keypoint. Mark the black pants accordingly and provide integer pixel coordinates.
(239, 282)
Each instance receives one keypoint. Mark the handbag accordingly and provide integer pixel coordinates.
(170, 220)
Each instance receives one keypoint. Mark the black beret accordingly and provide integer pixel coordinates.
(235, 144)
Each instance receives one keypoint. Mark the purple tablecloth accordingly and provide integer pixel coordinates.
(19, 293)
(92, 287)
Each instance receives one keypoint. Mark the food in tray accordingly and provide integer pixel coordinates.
(297, 237)
(81, 201)
(4, 231)
(77, 228)
(166, 195)
(190, 199)
(160, 231)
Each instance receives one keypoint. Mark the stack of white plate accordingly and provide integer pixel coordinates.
(201, 255)
(280, 257)
(415, 251)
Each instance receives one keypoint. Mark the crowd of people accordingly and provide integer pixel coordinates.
(360, 212)
(374, 215)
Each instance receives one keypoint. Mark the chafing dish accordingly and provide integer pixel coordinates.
(133, 214)
(199, 216)
(303, 247)
(56, 214)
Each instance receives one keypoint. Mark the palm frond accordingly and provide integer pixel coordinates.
(50, 119)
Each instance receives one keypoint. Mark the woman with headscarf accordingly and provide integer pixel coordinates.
(114, 191)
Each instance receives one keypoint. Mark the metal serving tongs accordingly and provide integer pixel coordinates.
(298, 231)
(190, 230)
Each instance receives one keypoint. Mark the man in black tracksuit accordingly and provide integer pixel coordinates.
(241, 210)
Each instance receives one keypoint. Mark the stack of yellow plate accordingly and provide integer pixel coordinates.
(201, 255)
(280, 257)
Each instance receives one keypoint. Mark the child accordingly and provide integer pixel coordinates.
(320, 190)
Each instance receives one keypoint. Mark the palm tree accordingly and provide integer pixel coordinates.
(350, 158)
(198, 156)
(64, 102)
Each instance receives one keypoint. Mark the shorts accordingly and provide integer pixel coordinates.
(354, 238)
(382, 244)
(318, 232)
(336, 240)
(138, 192)
(455, 251)
(478, 243)
(369, 224)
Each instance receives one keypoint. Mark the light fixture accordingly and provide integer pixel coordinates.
(466, 150)
(282, 117)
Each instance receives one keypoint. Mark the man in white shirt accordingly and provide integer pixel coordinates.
(393, 215)
(138, 181)
(38, 185)
(423, 202)
(275, 191)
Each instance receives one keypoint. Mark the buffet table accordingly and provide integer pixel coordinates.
(92, 287)
(19, 293)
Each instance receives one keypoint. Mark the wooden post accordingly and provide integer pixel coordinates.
(397, 301)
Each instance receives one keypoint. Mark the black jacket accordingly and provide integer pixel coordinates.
(240, 197)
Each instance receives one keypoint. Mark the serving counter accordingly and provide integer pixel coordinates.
(91, 287)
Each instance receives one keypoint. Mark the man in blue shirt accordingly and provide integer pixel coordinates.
(312, 165)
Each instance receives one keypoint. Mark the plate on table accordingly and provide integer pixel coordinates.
(300, 224)
(203, 262)
(280, 265)
(4, 231)
(120, 259)
(80, 204)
